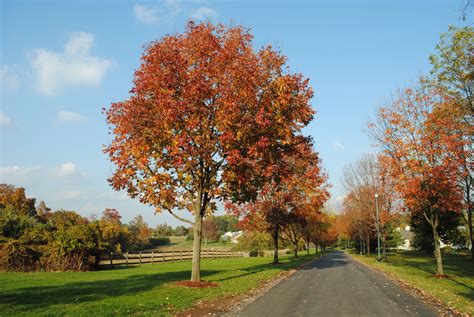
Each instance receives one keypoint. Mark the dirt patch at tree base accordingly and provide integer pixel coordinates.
(201, 284)
(440, 276)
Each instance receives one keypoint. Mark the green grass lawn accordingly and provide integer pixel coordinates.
(456, 291)
(136, 290)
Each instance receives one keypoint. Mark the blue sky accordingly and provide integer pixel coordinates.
(63, 61)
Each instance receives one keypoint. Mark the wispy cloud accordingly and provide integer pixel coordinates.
(74, 66)
(70, 117)
(146, 14)
(8, 78)
(162, 12)
(5, 122)
(165, 11)
(203, 13)
(338, 146)
(67, 168)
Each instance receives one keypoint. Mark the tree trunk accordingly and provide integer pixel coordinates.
(368, 245)
(439, 260)
(295, 251)
(384, 249)
(196, 266)
(275, 245)
(315, 246)
(469, 226)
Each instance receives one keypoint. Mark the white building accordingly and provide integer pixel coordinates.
(407, 238)
(232, 237)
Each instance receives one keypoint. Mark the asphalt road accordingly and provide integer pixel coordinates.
(336, 285)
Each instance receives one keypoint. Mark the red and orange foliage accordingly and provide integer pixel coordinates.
(423, 151)
(208, 117)
(289, 199)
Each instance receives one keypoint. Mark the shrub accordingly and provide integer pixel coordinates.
(16, 256)
(253, 253)
(159, 241)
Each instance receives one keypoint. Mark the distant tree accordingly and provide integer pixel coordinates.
(111, 214)
(139, 229)
(180, 231)
(42, 208)
(15, 199)
(226, 223)
(164, 230)
(113, 235)
(210, 230)
(363, 180)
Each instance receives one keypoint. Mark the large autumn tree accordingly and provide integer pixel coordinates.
(207, 117)
(422, 154)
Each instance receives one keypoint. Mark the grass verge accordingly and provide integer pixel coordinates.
(132, 290)
(456, 291)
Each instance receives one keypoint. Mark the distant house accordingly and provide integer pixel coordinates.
(232, 237)
(407, 238)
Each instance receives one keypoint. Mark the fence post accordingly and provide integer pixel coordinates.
(140, 257)
(111, 258)
(181, 255)
(163, 255)
(126, 258)
(152, 254)
(172, 258)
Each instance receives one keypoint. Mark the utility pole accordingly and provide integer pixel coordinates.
(377, 224)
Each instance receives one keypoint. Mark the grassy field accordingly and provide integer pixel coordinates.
(136, 290)
(456, 291)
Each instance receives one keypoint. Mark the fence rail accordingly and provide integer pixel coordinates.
(163, 256)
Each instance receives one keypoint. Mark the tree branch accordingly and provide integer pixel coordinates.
(180, 218)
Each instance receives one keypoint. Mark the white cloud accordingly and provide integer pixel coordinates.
(338, 146)
(203, 13)
(70, 117)
(154, 14)
(4, 170)
(146, 14)
(74, 66)
(18, 175)
(5, 121)
(67, 168)
(8, 78)
(166, 10)
(71, 195)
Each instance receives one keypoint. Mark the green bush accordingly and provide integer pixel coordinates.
(159, 241)
(253, 253)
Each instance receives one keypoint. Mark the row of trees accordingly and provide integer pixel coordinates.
(425, 166)
(212, 119)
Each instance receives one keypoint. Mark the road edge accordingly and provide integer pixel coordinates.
(429, 299)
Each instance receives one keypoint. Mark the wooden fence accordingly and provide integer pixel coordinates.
(164, 256)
